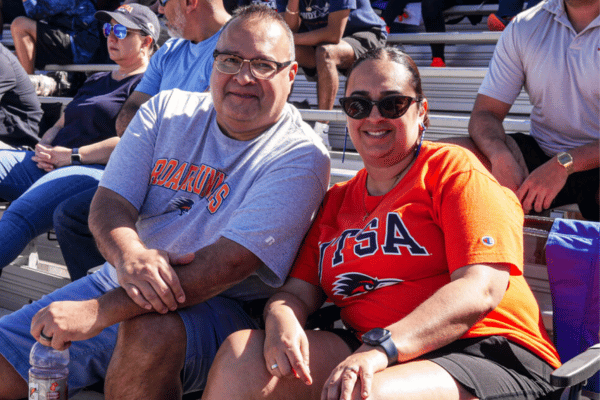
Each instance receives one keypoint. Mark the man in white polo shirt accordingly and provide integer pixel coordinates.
(553, 50)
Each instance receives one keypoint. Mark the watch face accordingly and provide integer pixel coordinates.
(564, 158)
(376, 335)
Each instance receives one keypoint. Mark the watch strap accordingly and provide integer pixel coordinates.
(390, 349)
(380, 337)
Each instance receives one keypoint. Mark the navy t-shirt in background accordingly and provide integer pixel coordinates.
(90, 117)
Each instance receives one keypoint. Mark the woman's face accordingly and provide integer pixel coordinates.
(383, 142)
(126, 50)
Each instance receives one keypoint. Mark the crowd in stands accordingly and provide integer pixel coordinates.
(71, 155)
(187, 176)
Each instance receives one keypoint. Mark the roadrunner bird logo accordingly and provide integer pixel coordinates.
(182, 204)
(354, 284)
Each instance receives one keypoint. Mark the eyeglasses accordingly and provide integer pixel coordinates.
(260, 69)
(119, 30)
(163, 2)
(392, 107)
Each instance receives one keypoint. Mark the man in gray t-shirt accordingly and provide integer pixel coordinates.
(199, 213)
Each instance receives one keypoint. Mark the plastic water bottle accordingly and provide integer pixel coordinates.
(48, 373)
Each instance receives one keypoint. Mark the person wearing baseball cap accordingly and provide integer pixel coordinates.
(131, 16)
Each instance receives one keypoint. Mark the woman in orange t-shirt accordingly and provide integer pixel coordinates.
(423, 253)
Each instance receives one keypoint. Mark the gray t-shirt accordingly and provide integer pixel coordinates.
(192, 184)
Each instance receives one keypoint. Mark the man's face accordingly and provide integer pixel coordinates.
(247, 106)
(175, 18)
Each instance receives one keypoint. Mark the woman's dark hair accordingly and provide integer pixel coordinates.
(153, 47)
(399, 57)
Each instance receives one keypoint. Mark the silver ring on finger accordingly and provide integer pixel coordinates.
(274, 366)
(47, 338)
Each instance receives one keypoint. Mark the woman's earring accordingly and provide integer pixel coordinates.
(345, 139)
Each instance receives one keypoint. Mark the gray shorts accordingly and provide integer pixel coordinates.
(361, 42)
(207, 325)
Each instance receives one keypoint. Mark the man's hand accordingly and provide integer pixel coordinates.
(150, 280)
(356, 370)
(49, 158)
(541, 186)
(66, 321)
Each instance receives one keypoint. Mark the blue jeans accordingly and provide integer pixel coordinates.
(76, 242)
(34, 194)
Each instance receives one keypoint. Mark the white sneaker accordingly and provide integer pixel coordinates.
(323, 131)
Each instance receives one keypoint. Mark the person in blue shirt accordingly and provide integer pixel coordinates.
(55, 32)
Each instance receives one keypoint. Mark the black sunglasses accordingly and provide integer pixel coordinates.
(393, 106)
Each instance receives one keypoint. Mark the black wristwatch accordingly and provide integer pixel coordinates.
(382, 338)
(75, 157)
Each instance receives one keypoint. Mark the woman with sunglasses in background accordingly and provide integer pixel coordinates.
(71, 156)
(422, 251)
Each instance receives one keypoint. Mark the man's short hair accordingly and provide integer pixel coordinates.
(262, 12)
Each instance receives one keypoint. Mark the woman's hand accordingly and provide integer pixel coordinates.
(286, 348)
(49, 158)
(150, 281)
(356, 370)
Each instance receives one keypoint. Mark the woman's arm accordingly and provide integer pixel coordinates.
(473, 292)
(98, 153)
(49, 158)
(51, 133)
(286, 343)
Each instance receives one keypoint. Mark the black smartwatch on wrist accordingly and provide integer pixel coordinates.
(379, 337)
(75, 157)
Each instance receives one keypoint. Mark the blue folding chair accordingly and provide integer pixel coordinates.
(573, 258)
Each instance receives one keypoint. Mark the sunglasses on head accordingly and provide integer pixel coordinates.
(119, 30)
(392, 107)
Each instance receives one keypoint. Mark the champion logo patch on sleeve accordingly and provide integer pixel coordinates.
(488, 241)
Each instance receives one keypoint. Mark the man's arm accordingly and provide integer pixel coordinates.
(146, 274)
(209, 272)
(486, 130)
(132, 104)
(332, 33)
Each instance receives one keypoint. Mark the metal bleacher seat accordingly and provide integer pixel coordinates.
(81, 67)
(7, 39)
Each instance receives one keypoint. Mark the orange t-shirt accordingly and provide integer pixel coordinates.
(378, 258)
